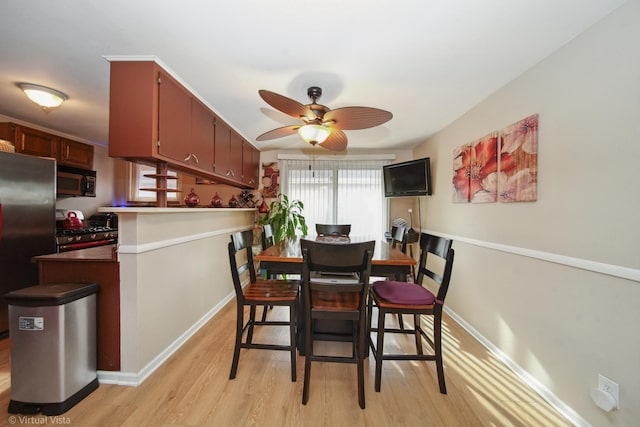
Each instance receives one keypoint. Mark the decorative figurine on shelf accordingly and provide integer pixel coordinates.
(192, 199)
(233, 202)
(264, 208)
(216, 201)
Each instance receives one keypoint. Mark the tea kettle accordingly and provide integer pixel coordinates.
(72, 221)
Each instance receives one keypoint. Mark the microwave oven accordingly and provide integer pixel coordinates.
(75, 182)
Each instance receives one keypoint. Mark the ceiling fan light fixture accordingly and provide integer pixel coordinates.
(44, 96)
(314, 134)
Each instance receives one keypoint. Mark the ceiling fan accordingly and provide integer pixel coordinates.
(322, 126)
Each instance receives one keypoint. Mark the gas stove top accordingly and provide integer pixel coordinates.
(89, 235)
(86, 230)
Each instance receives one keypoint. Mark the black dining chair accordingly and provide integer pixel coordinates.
(267, 239)
(258, 292)
(338, 298)
(333, 229)
(392, 297)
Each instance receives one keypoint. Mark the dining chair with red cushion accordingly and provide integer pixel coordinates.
(393, 297)
(259, 292)
(339, 298)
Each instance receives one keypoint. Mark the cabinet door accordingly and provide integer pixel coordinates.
(235, 156)
(221, 148)
(250, 164)
(174, 128)
(202, 134)
(35, 142)
(74, 153)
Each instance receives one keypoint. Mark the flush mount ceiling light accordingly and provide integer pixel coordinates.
(314, 134)
(44, 96)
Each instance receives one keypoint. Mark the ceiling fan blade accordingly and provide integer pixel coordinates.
(337, 141)
(278, 133)
(352, 118)
(286, 105)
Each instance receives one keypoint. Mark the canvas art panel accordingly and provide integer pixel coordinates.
(476, 171)
(518, 178)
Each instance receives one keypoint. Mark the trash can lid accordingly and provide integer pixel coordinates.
(52, 294)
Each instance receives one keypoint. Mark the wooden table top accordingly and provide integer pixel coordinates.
(288, 250)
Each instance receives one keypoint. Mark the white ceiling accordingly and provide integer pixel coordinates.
(426, 61)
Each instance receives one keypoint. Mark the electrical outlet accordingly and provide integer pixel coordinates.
(605, 384)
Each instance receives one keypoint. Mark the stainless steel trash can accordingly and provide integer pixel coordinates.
(53, 354)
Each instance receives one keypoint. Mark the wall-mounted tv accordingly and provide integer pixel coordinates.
(412, 178)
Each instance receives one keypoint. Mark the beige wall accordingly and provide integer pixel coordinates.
(554, 284)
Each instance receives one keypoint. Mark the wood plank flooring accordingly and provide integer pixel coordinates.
(192, 389)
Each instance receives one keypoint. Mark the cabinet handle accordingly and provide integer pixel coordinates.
(67, 155)
(186, 159)
(194, 158)
(230, 173)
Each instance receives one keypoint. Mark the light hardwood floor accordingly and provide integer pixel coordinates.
(192, 389)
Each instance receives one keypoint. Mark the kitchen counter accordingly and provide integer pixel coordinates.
(92, 265)
(174, 277)
(105, 253)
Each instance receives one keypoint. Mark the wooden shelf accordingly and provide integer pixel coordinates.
(168, 190)
(156, 175)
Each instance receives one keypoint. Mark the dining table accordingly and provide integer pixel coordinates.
(285, 257)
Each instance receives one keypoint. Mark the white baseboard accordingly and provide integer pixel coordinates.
(571, 415)
(134, 379)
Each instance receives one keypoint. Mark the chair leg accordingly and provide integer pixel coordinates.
(292, 339)
(379, 348)
(236, 350)
(307, 363)
(437, 341)
(252, 322)
(360, 355)
(400, 322)
(417, 328)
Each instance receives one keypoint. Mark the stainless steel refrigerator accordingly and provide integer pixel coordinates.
(27, 221)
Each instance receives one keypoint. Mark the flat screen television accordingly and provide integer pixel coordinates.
(412, 178)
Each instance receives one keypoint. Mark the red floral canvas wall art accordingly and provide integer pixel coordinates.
(461, 182)
(518, 179)
(475, 169)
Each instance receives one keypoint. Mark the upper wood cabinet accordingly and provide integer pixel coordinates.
(202, 137)
(155, 118)
(74, 153)
(250, 164)
(35, 142)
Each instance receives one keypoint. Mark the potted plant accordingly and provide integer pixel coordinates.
(286, 217)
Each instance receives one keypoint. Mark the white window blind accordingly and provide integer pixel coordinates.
(340, 192)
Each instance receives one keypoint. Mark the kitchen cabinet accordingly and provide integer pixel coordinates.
(92, 265)
(250, 164)
(154, 118)
(74, 153)
(202, 137)
(35, 142)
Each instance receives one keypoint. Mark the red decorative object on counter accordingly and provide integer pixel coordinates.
(216, 201)
(192, 199)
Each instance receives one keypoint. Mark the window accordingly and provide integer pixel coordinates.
(138, 180)
(339, 192)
